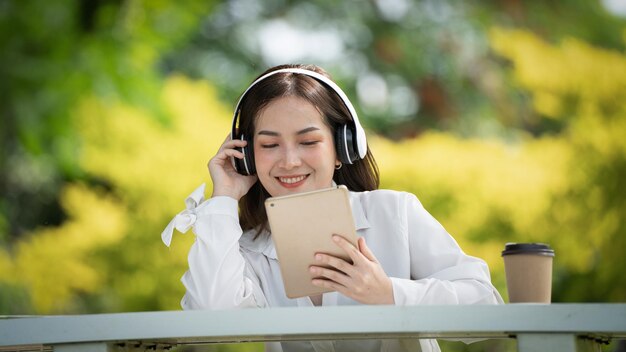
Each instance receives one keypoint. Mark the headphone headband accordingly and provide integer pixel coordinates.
(360, 132)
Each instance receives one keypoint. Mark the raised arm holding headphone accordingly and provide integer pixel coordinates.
(295, 130)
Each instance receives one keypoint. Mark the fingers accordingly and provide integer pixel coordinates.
(333, 286)
(323, 275)
(363, 280)
(365, 250)
(231, 144)
(339, 264)
(233, 153)
(349, 248)
(227, 150)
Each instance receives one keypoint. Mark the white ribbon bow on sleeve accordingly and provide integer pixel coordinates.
(185, 219)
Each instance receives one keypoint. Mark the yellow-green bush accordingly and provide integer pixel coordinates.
(53, 264)
(575, 82)
(484, 192)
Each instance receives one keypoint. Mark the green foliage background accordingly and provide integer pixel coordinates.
(111, 110)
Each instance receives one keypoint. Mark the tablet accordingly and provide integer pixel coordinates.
(303, 224)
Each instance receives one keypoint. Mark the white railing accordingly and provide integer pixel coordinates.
(536, 327)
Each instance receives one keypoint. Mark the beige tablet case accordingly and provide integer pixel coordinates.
(302, 225)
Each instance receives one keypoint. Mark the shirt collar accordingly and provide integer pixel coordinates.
(358, 214)
(360, 218)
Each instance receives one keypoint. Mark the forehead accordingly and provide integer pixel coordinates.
(289, 112)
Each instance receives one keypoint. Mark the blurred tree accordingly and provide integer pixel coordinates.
(413, 66)
(53, 54)
(583, 86)
(38, 84)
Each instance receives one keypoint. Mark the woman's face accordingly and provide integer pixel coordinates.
(293, 147)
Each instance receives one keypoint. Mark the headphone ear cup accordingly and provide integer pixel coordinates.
(344, 144)
(246, 165)
(239, 164)
(249, 155)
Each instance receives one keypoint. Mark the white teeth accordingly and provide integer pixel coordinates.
(291, 179)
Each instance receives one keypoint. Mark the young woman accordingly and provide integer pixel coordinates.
(297, 132)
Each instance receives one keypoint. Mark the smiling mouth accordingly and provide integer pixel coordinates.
(292, 180)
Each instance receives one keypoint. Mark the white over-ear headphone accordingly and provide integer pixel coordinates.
(350, 140)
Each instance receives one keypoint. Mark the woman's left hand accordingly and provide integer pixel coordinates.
(364, 280)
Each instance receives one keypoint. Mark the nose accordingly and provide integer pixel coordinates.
(291, 158)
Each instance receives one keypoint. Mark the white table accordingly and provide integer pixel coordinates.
(537, 327)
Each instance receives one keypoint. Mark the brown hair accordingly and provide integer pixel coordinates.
(360, 176)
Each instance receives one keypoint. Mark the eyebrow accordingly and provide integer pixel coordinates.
(276, 134)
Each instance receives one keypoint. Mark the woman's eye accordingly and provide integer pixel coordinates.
(310, 142)
(268, 146)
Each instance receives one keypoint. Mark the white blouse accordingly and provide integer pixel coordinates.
(228, 269)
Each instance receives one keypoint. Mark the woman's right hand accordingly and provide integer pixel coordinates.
(226, 180)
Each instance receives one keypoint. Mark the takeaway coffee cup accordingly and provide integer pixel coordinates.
(528, 268)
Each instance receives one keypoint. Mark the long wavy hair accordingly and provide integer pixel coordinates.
(360, 176)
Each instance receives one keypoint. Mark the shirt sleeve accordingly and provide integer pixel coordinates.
(441, 273)
(218, 276)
